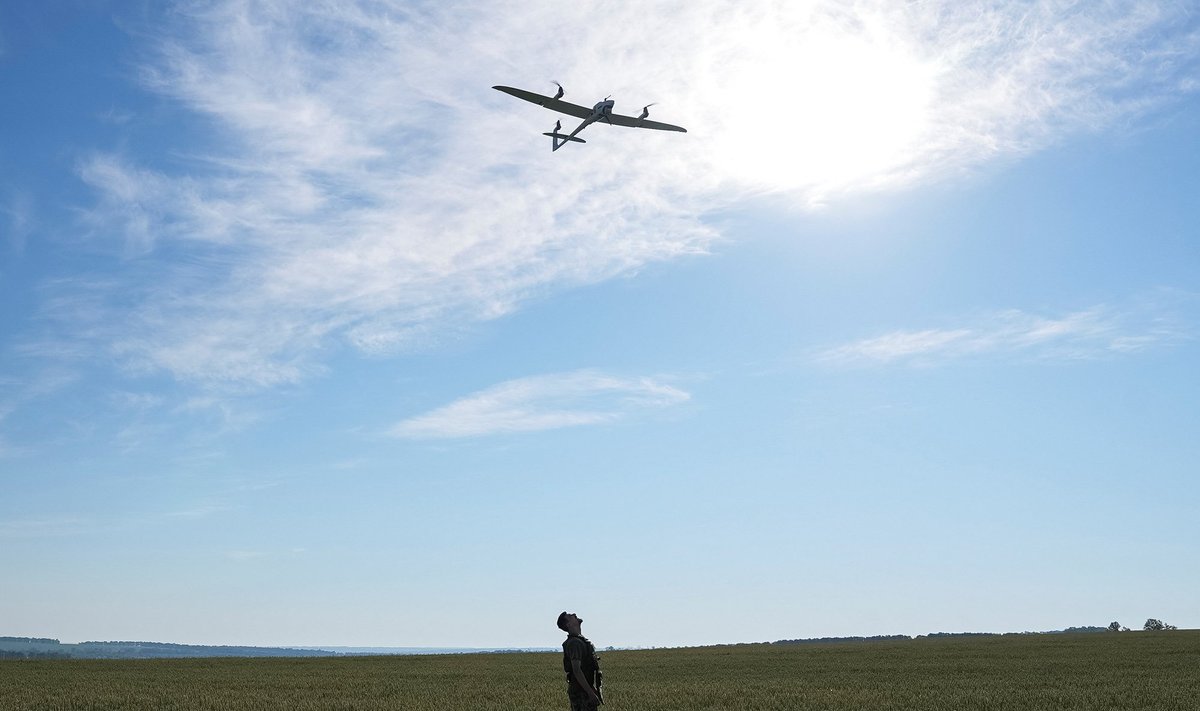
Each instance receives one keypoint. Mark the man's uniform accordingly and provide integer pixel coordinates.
(578, 647)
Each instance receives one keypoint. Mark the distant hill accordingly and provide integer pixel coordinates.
(44, 648)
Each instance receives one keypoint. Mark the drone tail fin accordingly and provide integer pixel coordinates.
(558, 140)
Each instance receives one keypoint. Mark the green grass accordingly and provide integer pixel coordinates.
(1090, 672)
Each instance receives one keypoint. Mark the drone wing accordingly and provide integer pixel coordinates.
(563, 107)
(631, 122)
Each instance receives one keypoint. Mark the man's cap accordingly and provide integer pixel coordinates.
(562, 620)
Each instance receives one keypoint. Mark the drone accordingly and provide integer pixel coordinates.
(602, 112)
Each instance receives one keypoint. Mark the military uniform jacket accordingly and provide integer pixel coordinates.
(579, 647)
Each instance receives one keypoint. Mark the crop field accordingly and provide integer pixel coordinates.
(1088, 672)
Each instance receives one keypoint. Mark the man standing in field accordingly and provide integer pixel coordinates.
(581, 665)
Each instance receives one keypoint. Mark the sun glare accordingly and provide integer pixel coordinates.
(822, 110)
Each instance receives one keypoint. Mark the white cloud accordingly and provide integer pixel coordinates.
(366, 187)
(1091, 333)
(541, 402)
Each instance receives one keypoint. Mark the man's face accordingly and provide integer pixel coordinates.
(575, 617)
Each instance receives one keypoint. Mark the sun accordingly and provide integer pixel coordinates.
(822, 110)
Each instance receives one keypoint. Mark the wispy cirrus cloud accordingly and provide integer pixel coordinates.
(362, 185)
(542, 402)
(1090, 333)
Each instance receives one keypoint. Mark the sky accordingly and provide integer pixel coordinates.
(308, 338)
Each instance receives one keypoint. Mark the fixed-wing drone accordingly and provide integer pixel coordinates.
(602, 112)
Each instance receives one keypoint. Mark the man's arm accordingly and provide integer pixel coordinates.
(577, 671)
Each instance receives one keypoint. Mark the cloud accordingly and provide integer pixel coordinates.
(542, 402)
(362, 187)
(1091, 333)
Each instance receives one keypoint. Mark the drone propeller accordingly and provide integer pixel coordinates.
(645, 111)
(561, 91)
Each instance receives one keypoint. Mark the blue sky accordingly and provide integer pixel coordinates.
(308, 338)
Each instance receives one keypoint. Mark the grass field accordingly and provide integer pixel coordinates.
(1089, 672)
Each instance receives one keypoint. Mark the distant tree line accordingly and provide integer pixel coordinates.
(835, 640)
(1152, 625)
(31, 654)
